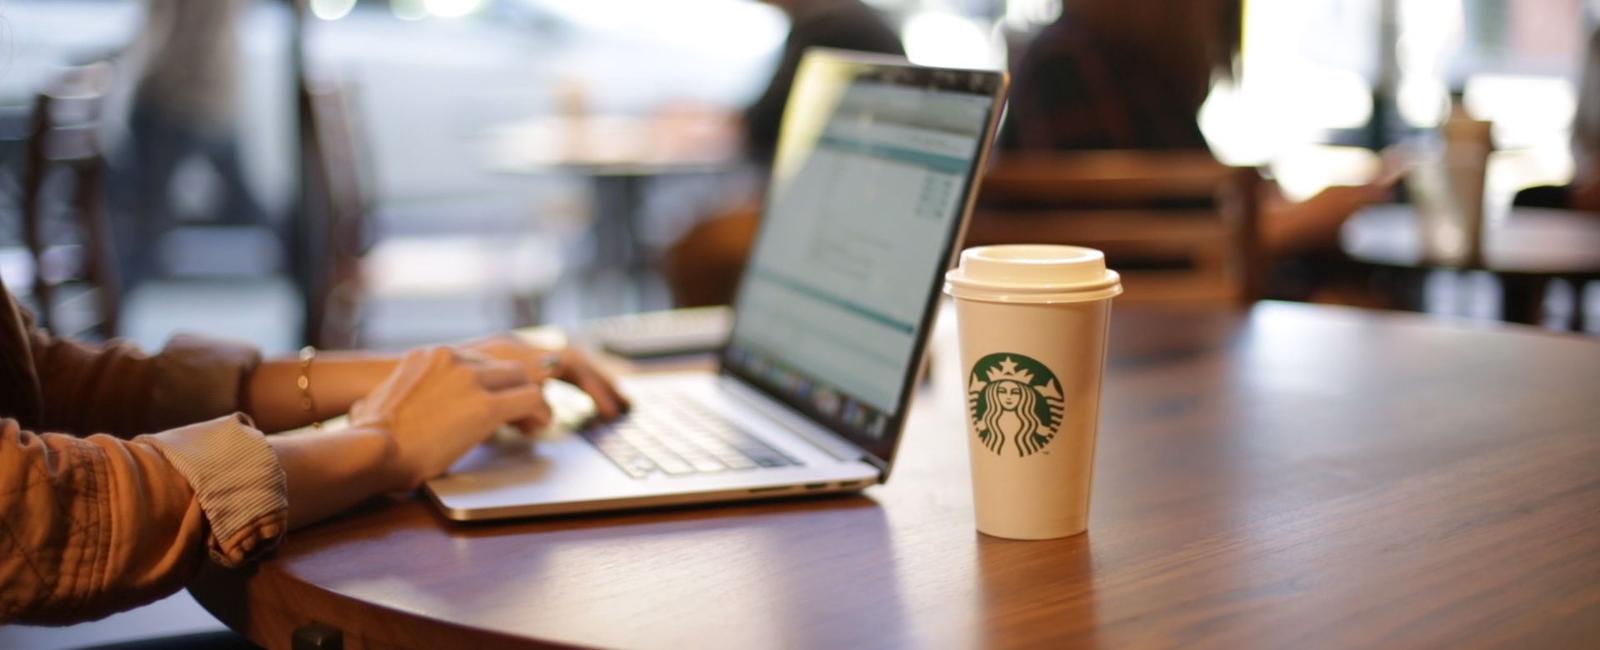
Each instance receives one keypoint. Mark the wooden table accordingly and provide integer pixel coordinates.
(1295, 476)
(1526, 248)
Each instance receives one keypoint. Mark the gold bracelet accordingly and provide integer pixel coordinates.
(303, 382)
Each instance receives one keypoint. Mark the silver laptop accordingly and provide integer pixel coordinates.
(872, 185)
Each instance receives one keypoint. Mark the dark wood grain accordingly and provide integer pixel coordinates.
(1293, 476)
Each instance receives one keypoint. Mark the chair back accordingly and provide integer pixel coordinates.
(1179, 227)
(340, 209)
(64, 143)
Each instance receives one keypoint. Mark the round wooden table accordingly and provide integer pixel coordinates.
(1290, 476)
(1526, 248)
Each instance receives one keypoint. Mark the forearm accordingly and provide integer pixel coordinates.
(101, 524)
(67, 497)
(1584, 193)
(189, 380)
(330, 471)
(1289, 228)
(337, 380)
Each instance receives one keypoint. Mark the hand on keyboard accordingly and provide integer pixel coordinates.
(571, 409)
(566, 364)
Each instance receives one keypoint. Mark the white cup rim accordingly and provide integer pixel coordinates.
(1101, 283)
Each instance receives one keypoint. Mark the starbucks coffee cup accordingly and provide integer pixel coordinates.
(1032, 320)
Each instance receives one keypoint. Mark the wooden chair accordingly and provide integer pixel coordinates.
(1180, 227)
(352, 274)
(703, 266)
(64, 145)
(340, 211)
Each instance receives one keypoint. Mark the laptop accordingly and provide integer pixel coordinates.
(872, 184)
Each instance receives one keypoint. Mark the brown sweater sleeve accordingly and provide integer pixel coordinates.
(90, 526)
(190, 380)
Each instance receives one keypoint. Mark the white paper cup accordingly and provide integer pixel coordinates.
(1467, 144)
(1032, 321)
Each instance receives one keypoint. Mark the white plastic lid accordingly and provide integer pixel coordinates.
(1032, 273)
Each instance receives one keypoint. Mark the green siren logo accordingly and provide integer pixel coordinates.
(1015, 404)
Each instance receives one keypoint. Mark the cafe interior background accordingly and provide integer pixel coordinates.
(467, 230)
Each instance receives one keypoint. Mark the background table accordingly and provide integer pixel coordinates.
(620, 155)
(1526, 248)
(1294, 476)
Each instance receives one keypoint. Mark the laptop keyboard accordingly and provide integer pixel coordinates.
(676, 436)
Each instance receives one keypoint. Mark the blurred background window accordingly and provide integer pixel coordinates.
(428, 85)
(1322, 85)
(1305, 103)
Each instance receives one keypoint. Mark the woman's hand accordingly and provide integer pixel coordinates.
(566, 364)
(338, 378)
(437, 404)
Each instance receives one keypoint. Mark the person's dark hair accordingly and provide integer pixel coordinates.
(1198, 40)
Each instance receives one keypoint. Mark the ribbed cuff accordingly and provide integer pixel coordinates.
(238, 481)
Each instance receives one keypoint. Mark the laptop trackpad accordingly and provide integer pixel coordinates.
(506, 461)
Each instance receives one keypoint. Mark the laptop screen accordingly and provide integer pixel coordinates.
(869, 186)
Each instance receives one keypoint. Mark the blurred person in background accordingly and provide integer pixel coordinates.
(837, 24)
(153, 463)
(703, 265)
(1132, 75)
(1583, 193)
(185, 62)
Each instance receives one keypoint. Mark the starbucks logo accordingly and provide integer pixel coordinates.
(1015, 404)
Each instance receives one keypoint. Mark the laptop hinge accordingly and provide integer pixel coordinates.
(820, 437)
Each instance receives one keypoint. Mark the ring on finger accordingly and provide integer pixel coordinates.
(550, 363)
